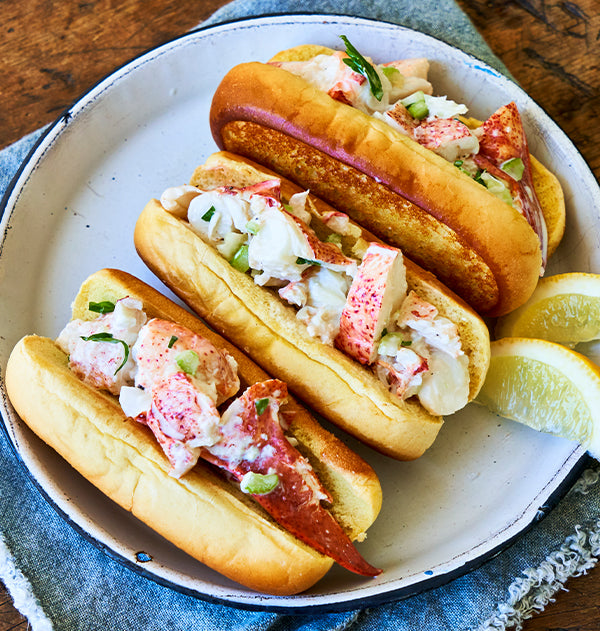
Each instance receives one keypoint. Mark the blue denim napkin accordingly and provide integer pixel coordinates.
(61, 581)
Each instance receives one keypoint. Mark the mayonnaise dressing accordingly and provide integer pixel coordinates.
(315, 277)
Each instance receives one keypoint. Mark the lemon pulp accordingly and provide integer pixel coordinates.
(567, 319)
(537, 394)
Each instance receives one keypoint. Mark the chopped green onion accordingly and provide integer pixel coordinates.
(207, 216)
(258, 483)
(459, 165)
(240, 259)
(418, 110)
(415, 97)
(478, 177)
(514, 167)
(105, 306)
(172, 341)
(252, 226)
(188, 361)
(416, 105)
(231, 243)
(390, 72)
(108, 337)
(334, 238)
(497, 187)
(390, 343)
(359, 64)
(303, 261)
(261, 405)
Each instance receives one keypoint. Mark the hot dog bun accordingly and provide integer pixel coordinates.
(476, 244)
(202, 513)
(256, 320)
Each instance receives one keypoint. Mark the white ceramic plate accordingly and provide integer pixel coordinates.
(72, 209)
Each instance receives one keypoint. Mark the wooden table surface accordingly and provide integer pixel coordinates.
(52, 52)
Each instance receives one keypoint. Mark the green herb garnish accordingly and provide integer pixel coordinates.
(477, 177)
(207, 216)
(459, 165)
(303, 261)
(359, 64)
(104, 306)
(108, 337)
(261, 405)
(188, 361)
(172, 341)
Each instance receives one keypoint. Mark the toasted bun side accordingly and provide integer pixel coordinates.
(198, 514)
(399, 190)
(238, 171)
(254, 319)
(552, 199)
(546, 184)
(201, 513)
(375, 207)
(352, 483)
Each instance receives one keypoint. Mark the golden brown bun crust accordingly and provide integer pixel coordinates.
(239, 171)
(475, 243)
(267, 330)
(201, 513)
(257, 321)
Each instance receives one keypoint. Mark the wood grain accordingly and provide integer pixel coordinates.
(52, 52)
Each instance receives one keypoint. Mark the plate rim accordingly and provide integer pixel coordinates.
(53, 130)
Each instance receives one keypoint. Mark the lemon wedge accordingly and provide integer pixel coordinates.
(564, 308)
(546, 386)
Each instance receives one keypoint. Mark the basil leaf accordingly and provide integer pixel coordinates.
(359, 64)
(105, 306)
(108, 337)
(261, 405)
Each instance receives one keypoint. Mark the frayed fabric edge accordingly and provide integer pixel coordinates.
(531, 593)
(20, 590)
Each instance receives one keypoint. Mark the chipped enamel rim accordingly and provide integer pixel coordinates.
(145, 127)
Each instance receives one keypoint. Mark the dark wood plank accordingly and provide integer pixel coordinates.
(54, 51)
(552, 49)
(10, 618)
